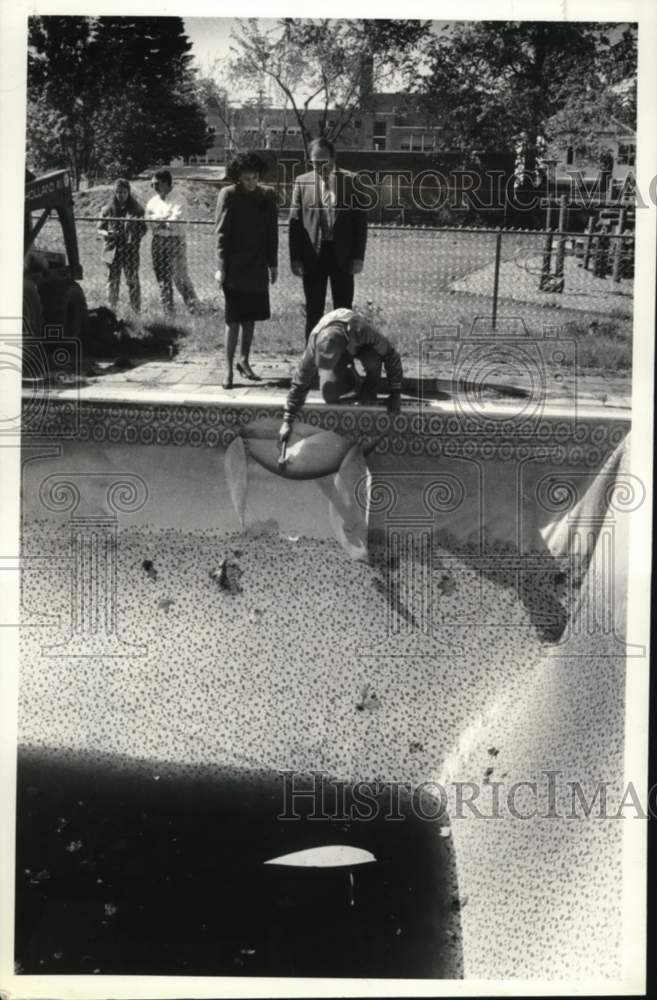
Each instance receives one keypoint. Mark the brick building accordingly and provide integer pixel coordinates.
(396, 126)
(388, 125)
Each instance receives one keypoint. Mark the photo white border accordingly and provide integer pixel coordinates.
(13, 41)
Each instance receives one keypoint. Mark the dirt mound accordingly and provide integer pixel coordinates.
(201, 197)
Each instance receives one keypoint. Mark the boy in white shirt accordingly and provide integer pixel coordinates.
(168, 213)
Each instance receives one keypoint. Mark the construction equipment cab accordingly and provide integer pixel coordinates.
(52, 296)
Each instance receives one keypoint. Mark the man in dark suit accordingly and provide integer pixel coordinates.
(328, 232)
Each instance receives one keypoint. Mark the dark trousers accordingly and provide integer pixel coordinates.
(170, 266)
(316, 282)
(128, 262)
(346, 379)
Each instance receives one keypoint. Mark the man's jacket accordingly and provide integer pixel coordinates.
(350, 220)
(123, 227)
(355, 336)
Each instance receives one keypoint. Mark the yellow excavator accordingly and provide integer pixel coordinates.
(54, 304)
(52, 295)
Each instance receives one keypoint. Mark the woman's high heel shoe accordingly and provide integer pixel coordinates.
(228, 381)
(246, 370)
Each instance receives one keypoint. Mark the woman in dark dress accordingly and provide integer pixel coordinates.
(246, 224)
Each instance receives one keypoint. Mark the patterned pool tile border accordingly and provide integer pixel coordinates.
(580, 440)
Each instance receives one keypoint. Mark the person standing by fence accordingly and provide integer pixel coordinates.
(246, 223)
(168, 213)
(122, 227)
(328, 232)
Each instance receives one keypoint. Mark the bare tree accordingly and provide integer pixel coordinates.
(336, 64)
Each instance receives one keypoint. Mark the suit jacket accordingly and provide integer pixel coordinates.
(349, 229)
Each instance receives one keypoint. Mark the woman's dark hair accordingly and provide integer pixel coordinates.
(246, 163)
(121, 182)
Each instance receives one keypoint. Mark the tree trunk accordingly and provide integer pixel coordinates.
(74, 162)
(537, 84)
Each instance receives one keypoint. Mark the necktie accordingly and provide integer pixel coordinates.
(326, 209)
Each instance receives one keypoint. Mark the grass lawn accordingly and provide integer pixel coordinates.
(406, 287)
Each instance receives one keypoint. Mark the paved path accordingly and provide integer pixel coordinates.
(518, 281)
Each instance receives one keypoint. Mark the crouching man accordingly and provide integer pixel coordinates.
(333, 344)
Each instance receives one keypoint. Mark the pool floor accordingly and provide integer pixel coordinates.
(149, 783)
(298, 658)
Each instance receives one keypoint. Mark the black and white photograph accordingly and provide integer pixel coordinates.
(325, 598)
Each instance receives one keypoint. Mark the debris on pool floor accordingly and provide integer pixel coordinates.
(257, 650)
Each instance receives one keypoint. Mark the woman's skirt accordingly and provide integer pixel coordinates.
(245, 307)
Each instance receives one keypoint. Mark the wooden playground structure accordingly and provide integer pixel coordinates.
(606, 248)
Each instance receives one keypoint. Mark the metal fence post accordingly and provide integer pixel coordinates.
(496, 279)
(601, 263)
(561, 246)
(618, 249)
(544, 279)
(588, 242)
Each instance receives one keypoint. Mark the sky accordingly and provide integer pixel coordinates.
(210, 37)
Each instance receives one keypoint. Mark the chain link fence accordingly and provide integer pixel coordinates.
(414, 279)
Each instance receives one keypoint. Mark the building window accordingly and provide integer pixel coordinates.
(626, 154)
(357, 123)
(429, 142)
(405, 142)
(380, 129)
(416, 143)
(570, 156)
(211, 129)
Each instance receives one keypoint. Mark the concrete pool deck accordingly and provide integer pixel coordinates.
(197, 378)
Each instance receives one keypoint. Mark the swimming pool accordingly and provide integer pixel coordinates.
(433, 615)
